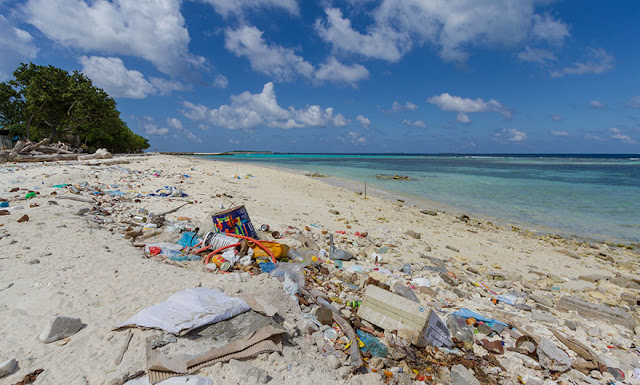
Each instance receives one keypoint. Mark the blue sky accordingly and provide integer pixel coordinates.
(416, 76)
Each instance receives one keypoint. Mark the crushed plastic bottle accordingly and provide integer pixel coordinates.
(460, 330)
(406, 268)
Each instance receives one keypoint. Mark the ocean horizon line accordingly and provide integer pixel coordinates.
(446, 154)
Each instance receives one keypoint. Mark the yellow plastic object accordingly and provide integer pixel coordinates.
(279, 250)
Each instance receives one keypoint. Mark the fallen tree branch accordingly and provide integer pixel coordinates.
(79, 199)
(172, 210)
(33, 146)
(354, 349)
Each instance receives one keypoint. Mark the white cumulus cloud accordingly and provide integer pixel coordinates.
(381, 42)
(547, 29)
(407, 106)
(596, 62)
(453, 27)
(16, 45)
(175, 123)
(283, 64)
(152, 30)
(335, 71)
(180, 132)
(559, 133)
(511, 135)
(153, 129)
(463, 118)
(624, 138)
(221, 81)
(365, 122)
(248, 111)
(536, 55)
(598, 105)
(228, 7)
(463, 106)
(273, 60)
(417, 123)
(357, 138)
(111, 74)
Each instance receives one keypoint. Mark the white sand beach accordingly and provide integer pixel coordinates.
(67, 260)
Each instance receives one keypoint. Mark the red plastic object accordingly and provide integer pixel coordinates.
(208, 258)
(260, 245)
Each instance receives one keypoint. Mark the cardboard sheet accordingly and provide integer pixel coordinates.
(266, 339)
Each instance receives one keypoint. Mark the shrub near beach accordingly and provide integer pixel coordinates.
(48, 102)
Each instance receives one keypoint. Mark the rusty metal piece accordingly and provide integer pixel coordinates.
(375, 282)
(30, 378)
(325, 316)
(493, 346)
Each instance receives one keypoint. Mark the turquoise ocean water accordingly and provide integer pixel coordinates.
(592, 196)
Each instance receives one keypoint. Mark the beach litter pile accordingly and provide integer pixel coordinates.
(333, 299)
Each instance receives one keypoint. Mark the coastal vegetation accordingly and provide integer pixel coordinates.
(48, 102)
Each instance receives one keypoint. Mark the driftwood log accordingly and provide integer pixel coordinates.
(17, 148)
(43, 158)
(34, 146)
(26, 151)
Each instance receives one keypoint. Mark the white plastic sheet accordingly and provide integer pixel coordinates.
(188, 310)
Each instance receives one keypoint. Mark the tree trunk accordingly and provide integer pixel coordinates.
(31, 119)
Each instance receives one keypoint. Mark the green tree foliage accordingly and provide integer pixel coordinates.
(48, 102)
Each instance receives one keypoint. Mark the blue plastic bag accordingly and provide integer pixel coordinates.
(466, 313)
(189, 239)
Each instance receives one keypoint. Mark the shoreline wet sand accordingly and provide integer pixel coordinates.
(423, 203)
(67, 259)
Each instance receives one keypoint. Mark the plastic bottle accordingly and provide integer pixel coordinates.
(302, 255)
(372, 344)
(460, 329)
(140, 219)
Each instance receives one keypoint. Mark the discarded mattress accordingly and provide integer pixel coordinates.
(188, 310)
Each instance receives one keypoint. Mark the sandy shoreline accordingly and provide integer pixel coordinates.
(66, 260)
